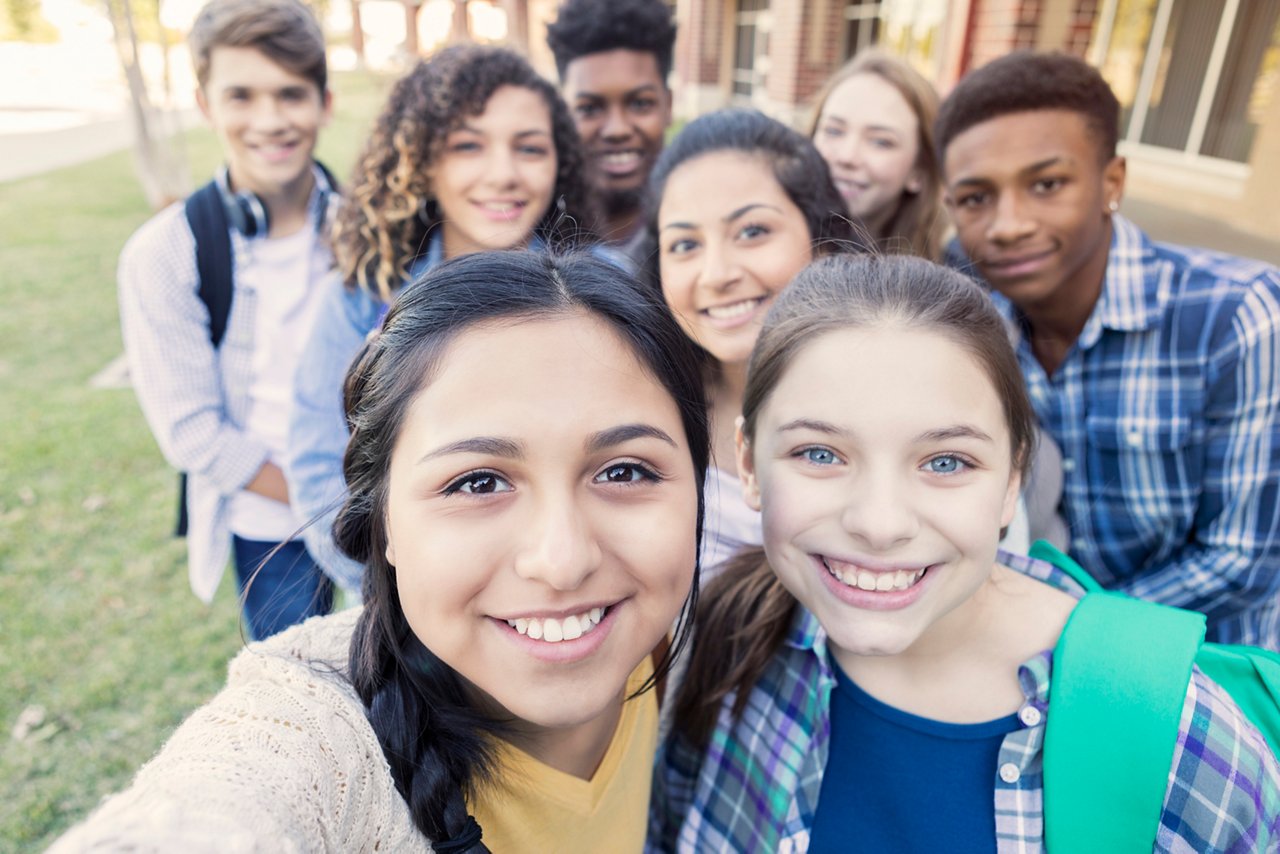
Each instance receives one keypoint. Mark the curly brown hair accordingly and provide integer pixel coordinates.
(388, 207)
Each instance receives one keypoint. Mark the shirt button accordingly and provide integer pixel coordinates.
(1009, 772)
(1134, 439)
(1068, 464)
(1029, 715)
(1079, 544)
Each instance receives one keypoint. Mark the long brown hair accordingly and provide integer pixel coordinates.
(745, 612)
(919, 224)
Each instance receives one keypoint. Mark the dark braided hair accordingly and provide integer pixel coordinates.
(389, 205)
(435, 739)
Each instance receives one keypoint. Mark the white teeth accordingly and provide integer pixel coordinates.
(878, 581)
(552, 630)
(500, 207)
(618, 158)
(737, 309)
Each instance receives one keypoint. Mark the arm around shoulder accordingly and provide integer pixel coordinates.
(281, 760)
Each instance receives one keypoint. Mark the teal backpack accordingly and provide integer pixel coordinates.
(1107, 794)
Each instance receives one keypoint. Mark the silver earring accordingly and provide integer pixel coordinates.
(1113, 206)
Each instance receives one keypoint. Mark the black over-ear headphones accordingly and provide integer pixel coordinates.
(247, 213)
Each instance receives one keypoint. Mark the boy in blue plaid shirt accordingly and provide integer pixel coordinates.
(1155, 368)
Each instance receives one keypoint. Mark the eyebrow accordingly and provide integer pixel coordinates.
(469, 129)
(955, 431)
(639, 90)
(1030, 170)
(730, 217)
(625, 433)
(495, 446)
(942, 434)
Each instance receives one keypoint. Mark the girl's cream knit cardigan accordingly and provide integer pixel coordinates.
(281, 760)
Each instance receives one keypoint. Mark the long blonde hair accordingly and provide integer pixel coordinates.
(920, 223)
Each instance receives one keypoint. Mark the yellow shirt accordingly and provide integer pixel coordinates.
(538, 808)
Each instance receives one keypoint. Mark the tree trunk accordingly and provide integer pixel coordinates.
(357, 34)
(162, 172)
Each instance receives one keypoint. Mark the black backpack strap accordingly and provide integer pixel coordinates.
(208, 220)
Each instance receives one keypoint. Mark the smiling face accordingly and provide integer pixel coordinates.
(622, 108)
(1029, 196)
(883, 465)
(729, 239)
(266, 117)
(869, 137)
(543, 534)
(496, 173)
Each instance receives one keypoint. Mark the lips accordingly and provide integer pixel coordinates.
(734, 314)
(621, 163)
(500, 210)
(849, 189)
(274, 152)
(1016, 266)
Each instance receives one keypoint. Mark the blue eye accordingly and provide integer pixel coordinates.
(626, 473)
(478, 483)
(752, 231)
(946, 464)
(820, 456)
(680, 247)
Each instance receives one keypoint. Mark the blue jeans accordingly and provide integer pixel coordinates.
(281, 589)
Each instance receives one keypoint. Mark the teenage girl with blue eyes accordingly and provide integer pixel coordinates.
(880, 674)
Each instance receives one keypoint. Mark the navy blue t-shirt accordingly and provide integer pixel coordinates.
(902, 783)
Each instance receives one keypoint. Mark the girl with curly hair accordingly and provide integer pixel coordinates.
(474, 150)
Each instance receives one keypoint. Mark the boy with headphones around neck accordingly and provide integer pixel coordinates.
(214, 381)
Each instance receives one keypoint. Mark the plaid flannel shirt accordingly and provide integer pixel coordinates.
(1167, 411)
(755, 788)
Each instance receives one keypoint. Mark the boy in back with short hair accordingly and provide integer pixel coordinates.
(1155, 368)
(614, 57)
(214, 380)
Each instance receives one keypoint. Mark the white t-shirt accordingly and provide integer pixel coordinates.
(287, 292)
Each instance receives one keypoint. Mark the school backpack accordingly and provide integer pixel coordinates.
(1121, 669)
(206, 211)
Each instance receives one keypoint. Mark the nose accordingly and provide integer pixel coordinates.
(879, 512)
(561, 549)
(500, 166)
(268, 115)
(616, 128)
(1010, 221)
(720, 271)
(849, 152)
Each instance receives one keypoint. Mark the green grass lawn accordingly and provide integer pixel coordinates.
(98, 626)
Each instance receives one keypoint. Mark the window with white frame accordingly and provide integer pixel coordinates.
(1192, 76)
(750, 48)
(861, 25)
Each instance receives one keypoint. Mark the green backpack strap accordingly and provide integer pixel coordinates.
(1252, 677)
(1120, 674)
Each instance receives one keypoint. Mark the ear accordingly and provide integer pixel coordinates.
(915, 182)
(327, 106)
(1113, 175)
(1011, 496)
(390, 551)
(203, 103)
(746, 468)
(668, 105)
